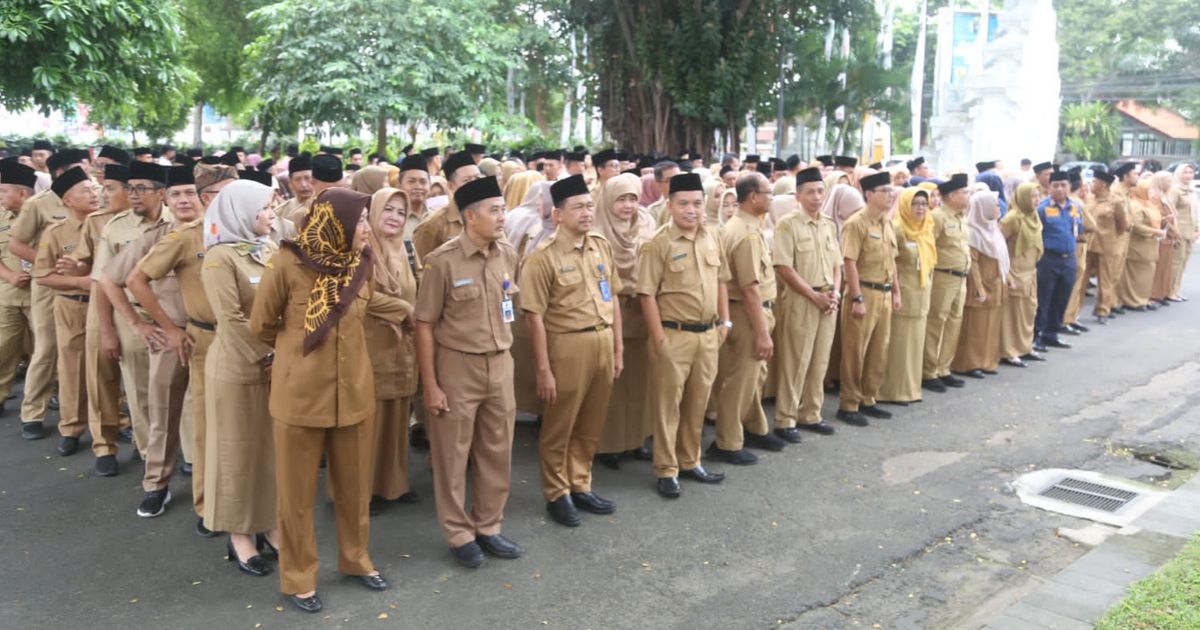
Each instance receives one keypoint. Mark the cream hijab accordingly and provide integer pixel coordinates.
(841, 203)
(392, 271)
(983, 230)
(625, 237)
(233, 216)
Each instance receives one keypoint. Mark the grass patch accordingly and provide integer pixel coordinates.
(1167, 600)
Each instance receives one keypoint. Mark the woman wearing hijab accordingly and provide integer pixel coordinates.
(727, 206)
(714, 191)
(841, 202)
(239, 481)
(508, 168)
(783, 199)
(1182, 198)
(650, 191)
(1022, 230)
(626, 225)
(1145, 232)
(996, 185)
(979, 342)
(1160, 189)
(393, 355)
(311, 305)
(371, 178)
(517, 187)
(524, 227)
(915, 264)
(935, 197)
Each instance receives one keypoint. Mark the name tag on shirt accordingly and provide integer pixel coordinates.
(679, 256)
(875, 236)
(464, 282)
(1052, 213)
(255, 279)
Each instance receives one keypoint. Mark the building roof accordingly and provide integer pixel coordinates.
(1165, 121)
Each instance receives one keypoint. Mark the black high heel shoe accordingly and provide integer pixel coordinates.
(255, 565)
(264, 546)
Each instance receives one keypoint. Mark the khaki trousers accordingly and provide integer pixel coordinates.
(390, 479)
(803, 339)
(1179, 262)
(1075, 304)
(739, 405)
(135, 374)
(39, 378)
(297, 461)
(167, 405)
(1112, 266)
(683, 369)
(943, 325)
(477, 431)
(70, 320)
(583, 373)
(14, 327)
(203, 339)
(104, 395)
(864, 349)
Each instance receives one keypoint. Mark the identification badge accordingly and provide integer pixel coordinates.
(911, 244)
(255, 279)
(605, 291)
(875, 236)
(1052, 212)
(506, 305)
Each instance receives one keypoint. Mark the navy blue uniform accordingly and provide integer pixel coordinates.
(1061, 224)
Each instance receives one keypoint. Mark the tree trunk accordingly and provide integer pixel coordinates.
(381, 133)
(198, 125)
(262, 140)
(510, 93)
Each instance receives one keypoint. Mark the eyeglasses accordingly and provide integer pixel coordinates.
(140, 190)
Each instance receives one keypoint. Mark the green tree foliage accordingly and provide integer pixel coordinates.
(119, 56)
(1090, 131)
(217, 33)
(359, 62)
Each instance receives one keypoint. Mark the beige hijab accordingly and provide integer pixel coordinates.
(518, 185)
(841, 203)
(625, 237)
(392, 272)
(369, 179)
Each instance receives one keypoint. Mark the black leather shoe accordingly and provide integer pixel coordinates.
(33, 430)
(203, 531)
(499, 546)
(1067, 330)
(950, 380)
(668, 487)
(1080, 327)
(989, 372)
(740, 457)
(311, 604)
(374, 582)
(822, 427)
(765, 442)
(53, 403)
(125, 435)
(699, 473)
(1039, 347)
(469, 555)
(1058, 343)
(418, 439)
(592, 502)
(1014, 362)
(1151, 306)
(106, 466)
(185, 469)
(791, 435)
(264, 546)
(1033, 356)
(976, 373)
(1118, 310)
(642, 454)
(68, 446)
(871, 411)
(563, 511)
(898, 403)
(254, 565)
(610, 460)
(853, 418)
(933, 385)
(1135, 309)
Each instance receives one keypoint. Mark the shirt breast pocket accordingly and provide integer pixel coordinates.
(466, 294)
(712, 257)
(806, 245)
(680, 275)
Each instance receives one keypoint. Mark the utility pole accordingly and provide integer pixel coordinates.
(917, 84)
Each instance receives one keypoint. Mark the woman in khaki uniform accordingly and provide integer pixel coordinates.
(914, 266)
(1181, 197)
(311, 305)
(1145, 231)
(393, 356)
(1022, 230)
(1160, 192)
(626, 225)
(979, 342)
(239, 482)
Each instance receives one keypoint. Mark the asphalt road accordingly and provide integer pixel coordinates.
(905, 524)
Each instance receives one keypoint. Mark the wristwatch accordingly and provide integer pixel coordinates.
(728, 324)
(858, 299)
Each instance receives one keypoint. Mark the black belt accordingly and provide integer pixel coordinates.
(692, 328)
(203, 325)
(956, 274)
(886, 288)
(596, 328)
(77, 298)
(1060, 255)
(491, 353)
(765, 304)
(825, 289)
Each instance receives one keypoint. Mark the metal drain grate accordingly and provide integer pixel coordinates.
(1090, 495)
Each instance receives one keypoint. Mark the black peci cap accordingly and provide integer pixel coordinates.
(476, 190)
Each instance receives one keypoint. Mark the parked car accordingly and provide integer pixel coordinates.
(1086, 167)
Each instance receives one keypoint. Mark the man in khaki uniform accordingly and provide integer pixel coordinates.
(446, 222)
(38, 213)
(1071, 325)
(136, 333)
(16, 185)
(181, 252)
(682, 285)
(808, 263)
(567, 289)
(1041, 174)
(743, 358)
(79, 195)
(1127, 177)
(1104, 212)
(872, 295)
(663, 172)
(464, 314)
(300, 181)
(168, 370)
(948, 294)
